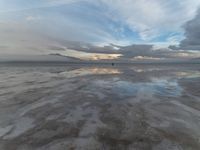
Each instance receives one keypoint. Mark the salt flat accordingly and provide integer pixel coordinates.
(102, 107)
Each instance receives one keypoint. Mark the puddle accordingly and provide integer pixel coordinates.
(162, 87)
(143, 69)
(125, 89)
(188, 74)
(89, 71)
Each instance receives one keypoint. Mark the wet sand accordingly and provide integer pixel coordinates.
(135, 107)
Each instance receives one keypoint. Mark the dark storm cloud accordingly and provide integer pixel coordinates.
(85, 47)
(136, 50)
(147, 51)
(127, 52)
(192, 34)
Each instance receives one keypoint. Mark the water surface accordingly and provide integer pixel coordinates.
(91, 107)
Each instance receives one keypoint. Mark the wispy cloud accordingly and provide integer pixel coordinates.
(33, 18)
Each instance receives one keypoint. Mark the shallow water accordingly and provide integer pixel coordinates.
(124, 89)
(59, 106)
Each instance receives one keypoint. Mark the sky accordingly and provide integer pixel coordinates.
(101, 29)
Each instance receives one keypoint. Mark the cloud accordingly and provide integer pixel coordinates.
(19, 39)
(152, 19)
(61, 2)
(105, 21)
(88, 27)
(192, 34)
(145, 58)
(148, 52)
(132, 52)
(89, 56)
(33, 18)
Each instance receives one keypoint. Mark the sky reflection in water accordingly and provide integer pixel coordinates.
(89, 71)
(125, 89)
(113, 99)
(165, 85)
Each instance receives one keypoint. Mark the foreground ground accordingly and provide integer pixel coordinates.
(136, 107)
